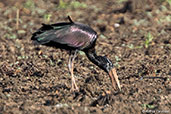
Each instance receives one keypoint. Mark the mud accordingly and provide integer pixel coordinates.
(35, 79)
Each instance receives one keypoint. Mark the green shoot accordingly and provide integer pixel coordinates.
(169, 2)
(62, 4)
(131, 46)
(117, 61)
(29, 4)
(120, 1)
(77, 4)
(72, 4)
(11, 36)
(47, 17)
(149, 38)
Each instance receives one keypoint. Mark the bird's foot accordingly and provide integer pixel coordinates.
(74, 87)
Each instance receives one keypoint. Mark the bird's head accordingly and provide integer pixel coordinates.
(106, 65)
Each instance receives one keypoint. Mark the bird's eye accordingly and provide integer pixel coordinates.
(108, 65)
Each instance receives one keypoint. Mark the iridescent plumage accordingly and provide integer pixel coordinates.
(74, 37)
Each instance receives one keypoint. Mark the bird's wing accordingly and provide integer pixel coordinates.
(47, 32)
(68, 34)
(73, 38)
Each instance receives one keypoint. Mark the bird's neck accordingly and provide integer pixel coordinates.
(92, 56)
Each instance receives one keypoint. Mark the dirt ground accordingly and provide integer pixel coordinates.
(135, 36)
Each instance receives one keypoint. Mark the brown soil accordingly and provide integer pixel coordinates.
(35, 79)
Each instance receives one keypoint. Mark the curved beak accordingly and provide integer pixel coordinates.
(114, 78)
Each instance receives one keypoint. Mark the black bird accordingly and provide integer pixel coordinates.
(74, 37)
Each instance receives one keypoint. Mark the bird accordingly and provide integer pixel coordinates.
(75, 37)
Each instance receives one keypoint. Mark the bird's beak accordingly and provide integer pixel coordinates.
(114, 78)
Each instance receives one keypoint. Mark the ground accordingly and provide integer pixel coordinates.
(137, 38)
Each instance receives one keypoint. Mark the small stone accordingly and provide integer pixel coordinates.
(116, 25)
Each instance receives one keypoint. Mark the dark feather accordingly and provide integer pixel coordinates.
(72, 34)
(44, 34)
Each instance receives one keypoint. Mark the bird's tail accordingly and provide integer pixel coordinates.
(47, 32)
(38, 35)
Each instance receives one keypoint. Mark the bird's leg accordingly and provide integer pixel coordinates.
(71, 68)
